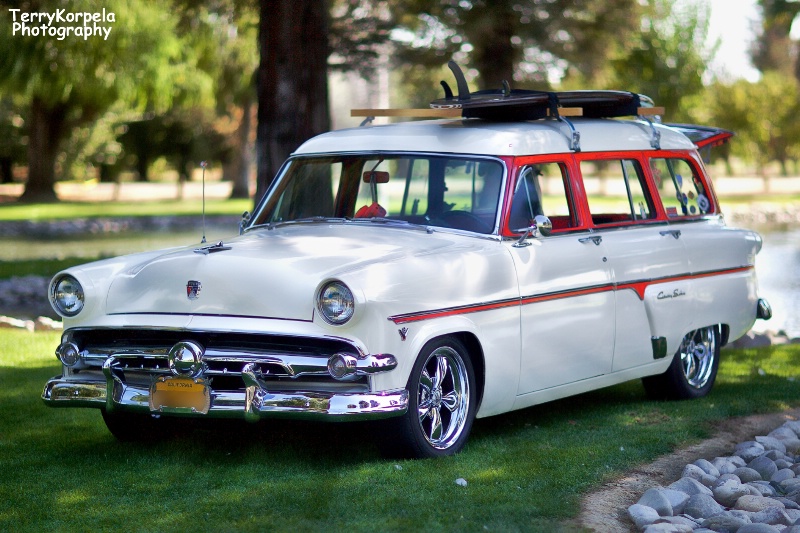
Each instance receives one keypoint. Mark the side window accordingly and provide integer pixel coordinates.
(541, 189)
(680, 188)
(616, 191)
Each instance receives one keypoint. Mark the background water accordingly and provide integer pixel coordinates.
(778, 270)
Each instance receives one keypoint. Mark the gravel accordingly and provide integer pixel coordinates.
(754, 489)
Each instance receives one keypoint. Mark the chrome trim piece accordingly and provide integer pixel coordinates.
(254, 403)
(763, 309)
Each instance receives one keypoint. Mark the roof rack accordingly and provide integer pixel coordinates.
(512, 105)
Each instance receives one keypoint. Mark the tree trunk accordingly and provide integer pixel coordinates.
(494, 53)
(241, 159)
(292, 81)
(46, 127)
(6, 170)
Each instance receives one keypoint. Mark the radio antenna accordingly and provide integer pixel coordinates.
(204, 165)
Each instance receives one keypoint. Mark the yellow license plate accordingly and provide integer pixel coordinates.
(180, 394)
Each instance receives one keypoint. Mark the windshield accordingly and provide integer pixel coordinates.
(438, 191)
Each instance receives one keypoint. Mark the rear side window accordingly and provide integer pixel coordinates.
(541, 189)
(616, 191)
(681, 190)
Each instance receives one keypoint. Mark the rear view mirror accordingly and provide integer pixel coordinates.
(378, 176)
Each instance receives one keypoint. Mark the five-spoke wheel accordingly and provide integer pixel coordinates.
(693, 369)
(441, 402)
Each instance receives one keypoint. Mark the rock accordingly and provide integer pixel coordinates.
(757, 528)
(749, 450)
(666, 527)
(690, 486)
(747, 474)
(655, 499)
(752, 340)
(461, 482)
(770, 443)
(642, 515)
(764, 466)
(729, 492)
(724, 522)
(782, 475)
(763, 488)
(773, 516)
(702, 506)
(782, 432)
(794, 425)
(44, 323)
(756, 503)
(707, 467)
(695, 472)
(7, 322)
(677, 499)
(790, 485)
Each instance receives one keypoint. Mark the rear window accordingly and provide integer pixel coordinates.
(681, 190)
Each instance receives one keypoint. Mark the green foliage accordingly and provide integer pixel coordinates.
(525, 470)
(667, 58)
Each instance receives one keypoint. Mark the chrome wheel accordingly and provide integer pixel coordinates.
(693, 369)
(443, 397)
(698, 353)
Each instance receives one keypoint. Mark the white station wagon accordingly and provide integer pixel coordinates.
(427, 273)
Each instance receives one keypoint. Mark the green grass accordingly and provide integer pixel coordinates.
(62, 210)
(526, 470)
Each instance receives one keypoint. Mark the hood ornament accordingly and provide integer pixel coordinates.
(193, 289)
(211, 248)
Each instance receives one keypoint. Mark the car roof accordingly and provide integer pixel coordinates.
(483, 137)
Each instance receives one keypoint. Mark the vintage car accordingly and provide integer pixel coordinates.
(425, 273)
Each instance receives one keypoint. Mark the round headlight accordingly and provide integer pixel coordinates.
(336, 303)
(67, 296)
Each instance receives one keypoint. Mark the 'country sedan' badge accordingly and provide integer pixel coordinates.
(193, 289)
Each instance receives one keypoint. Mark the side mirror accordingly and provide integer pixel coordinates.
(541, 226)
(243, 223)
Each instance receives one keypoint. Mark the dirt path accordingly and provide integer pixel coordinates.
(605, 510)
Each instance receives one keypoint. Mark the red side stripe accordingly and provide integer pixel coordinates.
(639, 287)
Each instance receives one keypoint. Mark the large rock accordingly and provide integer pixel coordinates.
(764, 466)
(755, 504)
(747, 474)
(724, 522)
(729, 492)
(656, 499)
(690, 486)
(642, 515)
(702, 506)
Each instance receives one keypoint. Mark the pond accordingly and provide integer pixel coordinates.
(778, 267)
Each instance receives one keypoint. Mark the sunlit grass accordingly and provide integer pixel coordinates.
(525, 470)
(62, 210)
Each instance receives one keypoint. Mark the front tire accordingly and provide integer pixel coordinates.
(693, 369)
(442, 403)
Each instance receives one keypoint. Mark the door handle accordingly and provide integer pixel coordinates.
(597, 239)
(674, 232)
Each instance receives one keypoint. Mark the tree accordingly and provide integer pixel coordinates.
(667, 58)
(292, 81)
(523, 40)
(72, 81)
(774, 49)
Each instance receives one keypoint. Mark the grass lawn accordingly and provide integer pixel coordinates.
(526, 471)
(61, 210)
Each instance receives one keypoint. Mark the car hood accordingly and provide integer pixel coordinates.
(268, 273)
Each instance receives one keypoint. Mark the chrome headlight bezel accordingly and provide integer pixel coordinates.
(336, 303)
(67, 295)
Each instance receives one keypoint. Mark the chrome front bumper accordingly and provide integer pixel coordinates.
(258, 400)
(254, 403)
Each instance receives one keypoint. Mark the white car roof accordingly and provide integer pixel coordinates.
(481, 137)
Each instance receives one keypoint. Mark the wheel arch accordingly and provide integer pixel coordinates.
(478, 360)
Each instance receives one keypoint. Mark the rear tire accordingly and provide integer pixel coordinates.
(441, 404)
(693, 369)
